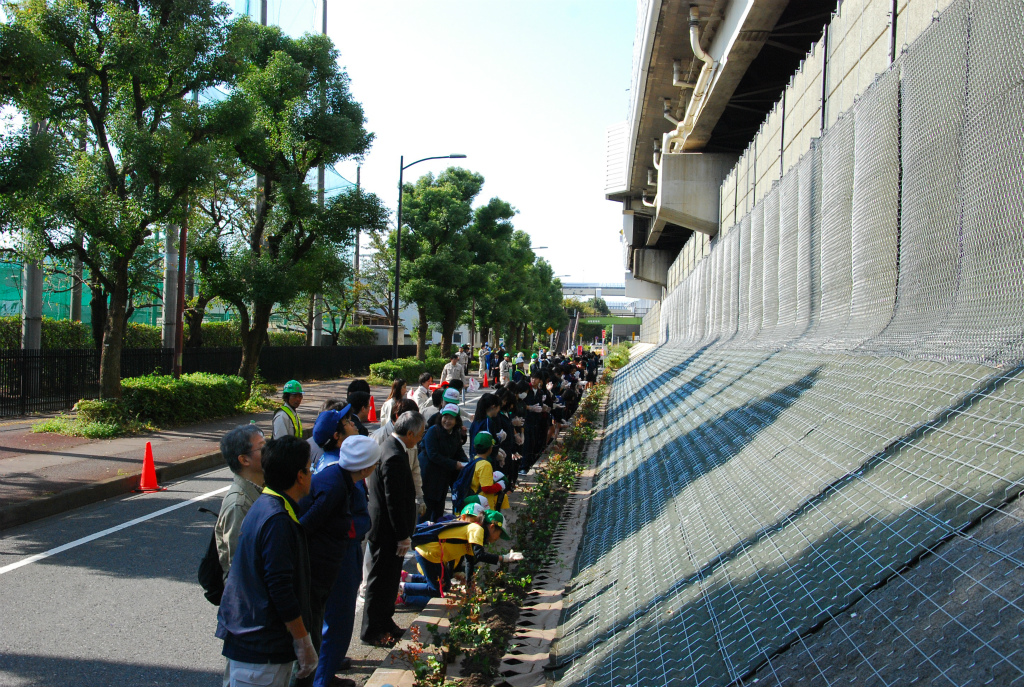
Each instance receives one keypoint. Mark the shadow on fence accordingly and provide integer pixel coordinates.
(53, 380)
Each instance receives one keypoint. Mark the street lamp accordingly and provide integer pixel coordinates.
(398, 238)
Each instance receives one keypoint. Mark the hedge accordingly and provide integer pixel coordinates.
(357, 336)
(408, 369)
(56, 333)
(162, 400)
(287, 338)
(139, 335)
(221, 334)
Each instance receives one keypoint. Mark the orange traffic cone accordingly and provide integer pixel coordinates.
(372, 417)
(485, 380)
(148, 480)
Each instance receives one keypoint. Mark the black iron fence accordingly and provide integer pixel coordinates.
(53, 380)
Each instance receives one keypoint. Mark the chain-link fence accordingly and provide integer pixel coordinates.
(815, 478)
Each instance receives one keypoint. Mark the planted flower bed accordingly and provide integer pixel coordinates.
(482, 619)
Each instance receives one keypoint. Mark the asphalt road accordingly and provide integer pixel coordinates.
(123, 607)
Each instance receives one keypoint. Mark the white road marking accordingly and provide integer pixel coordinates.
(110, 530)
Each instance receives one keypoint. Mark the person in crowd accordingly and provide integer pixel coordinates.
(286, 420)
(452, 370)
(242, 450)
(386, 429)
(486, 418)
(264, 612)
(360, 402)
(436, 403)
(481, 359)
(441, 459)
(534, 363)
(525, 404)
(504, 369)
(398, 389)
(453, 551)
(335, 519)
(464, 358)
(422, 393)
(512, 440)
(393, 519)
(483, 483)
(315, 452)
(519, 371)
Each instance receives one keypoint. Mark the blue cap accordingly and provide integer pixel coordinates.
(327, 424)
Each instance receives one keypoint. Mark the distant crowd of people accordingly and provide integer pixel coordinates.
(310, 525)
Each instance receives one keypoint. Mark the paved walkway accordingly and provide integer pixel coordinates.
(38, 465)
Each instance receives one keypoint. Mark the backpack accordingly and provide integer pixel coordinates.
(211, 575)
(431, 531)
(463, 483)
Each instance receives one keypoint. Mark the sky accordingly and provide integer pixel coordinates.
(525, 89)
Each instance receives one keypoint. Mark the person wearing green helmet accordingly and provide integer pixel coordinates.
(286, 419)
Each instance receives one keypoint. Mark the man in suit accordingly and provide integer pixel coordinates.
(393, 519)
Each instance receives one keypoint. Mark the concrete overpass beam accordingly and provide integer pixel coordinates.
(688, 187)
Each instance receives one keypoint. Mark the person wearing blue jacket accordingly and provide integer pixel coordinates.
(264, 611)
(336, 518)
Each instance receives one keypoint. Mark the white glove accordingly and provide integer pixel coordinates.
(306, 655)
(421, 509)
(502, 436)
(502, 455)
(512, 557)
(403, 547)
(547, 409)
(498, 476)
(501, 484)
(535, 408)
(517, 422)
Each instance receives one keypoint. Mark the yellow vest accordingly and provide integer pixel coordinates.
(296, 422)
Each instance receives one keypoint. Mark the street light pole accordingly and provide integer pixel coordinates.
(398, 242)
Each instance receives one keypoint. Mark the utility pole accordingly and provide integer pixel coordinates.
(170, 290)
(355, 278)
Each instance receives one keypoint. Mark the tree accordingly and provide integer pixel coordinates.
(377, 276)
(124, 69)
(289, 112)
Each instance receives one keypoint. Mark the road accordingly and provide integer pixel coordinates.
(120, 604)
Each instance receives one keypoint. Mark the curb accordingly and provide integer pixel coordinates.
(45, 506)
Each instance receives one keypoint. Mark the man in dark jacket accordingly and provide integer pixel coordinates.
(393, 519)
(442, 458)
(264, 612)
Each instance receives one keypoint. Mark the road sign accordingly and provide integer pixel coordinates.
(550, 331)
(603, 334)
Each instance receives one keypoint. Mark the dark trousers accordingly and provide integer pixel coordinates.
(381, 590)
(435, 509)
(319, 591)
(339, 615)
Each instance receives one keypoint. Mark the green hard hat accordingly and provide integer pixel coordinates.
(534, 356)
(292, 387)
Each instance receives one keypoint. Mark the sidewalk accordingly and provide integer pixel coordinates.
(44, 474)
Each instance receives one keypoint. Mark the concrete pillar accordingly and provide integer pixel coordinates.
(32, 307)
(318, 321)
(31, 327)
(170, 294)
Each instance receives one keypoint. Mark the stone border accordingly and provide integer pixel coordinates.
(530, 648)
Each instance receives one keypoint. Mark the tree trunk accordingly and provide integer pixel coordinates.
(485, 333)
(253, 338)
(98, 311)
(194, 316)
(448, 324)
(421, 334)
(113, 339)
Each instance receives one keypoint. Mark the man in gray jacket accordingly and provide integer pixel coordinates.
(242, 449)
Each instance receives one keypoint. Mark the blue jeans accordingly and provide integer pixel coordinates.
(420, 589)
(340, 615)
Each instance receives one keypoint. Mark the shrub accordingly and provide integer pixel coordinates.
(357, 336)
(617, 357)
(139, 335)
(286, 339)
(56, 333)
(406, 368)
(162, 400)
(221, 335)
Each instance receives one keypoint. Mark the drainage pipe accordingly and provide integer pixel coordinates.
(674, 140)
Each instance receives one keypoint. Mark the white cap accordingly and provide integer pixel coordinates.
(358, 453)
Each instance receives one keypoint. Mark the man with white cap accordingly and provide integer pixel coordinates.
(335, 518)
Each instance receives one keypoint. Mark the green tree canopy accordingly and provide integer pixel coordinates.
(115, 143)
